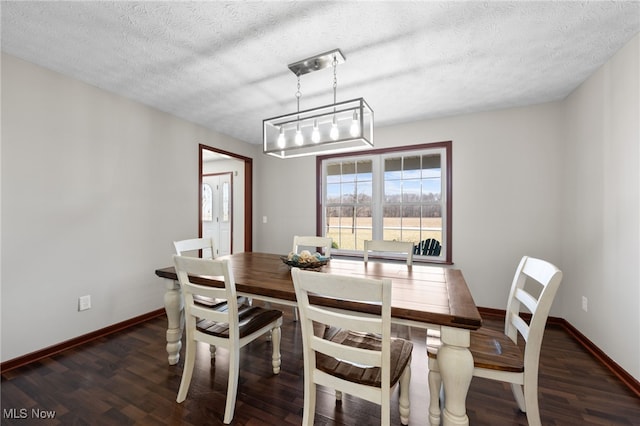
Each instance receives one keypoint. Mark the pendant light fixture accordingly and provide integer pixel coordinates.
(337, 127)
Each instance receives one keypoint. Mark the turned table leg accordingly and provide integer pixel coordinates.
(174, 306)
(456, 368)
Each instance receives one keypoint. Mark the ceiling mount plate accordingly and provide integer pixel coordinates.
(317, 62)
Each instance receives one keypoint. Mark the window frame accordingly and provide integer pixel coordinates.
(446, 256)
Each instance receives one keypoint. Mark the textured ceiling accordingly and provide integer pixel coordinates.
(224, 64)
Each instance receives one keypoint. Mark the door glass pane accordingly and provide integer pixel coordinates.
(207, 203)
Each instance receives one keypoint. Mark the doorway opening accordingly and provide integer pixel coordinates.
(239, 199)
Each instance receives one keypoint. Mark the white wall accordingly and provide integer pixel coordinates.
(94, 190)
(601, 208)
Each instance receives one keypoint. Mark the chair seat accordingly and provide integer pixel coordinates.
(251, 319)
(490, 349)
(370, 376)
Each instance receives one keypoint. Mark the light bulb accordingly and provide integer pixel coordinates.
(354, 130)
(334, 133)
(299, 139)
(315, 135)
(281, 141)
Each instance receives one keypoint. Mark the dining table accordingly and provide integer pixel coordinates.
(424, 296)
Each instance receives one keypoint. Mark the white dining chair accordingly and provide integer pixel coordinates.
(206, 248)
(497, 355)
(347, 350)
(388, 246)
(193, 246)
(312, 243)
(231, 328)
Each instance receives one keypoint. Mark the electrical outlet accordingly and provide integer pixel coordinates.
(585, 304)
(84, 303)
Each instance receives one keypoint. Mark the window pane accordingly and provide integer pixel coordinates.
(334, 173)
(392, 191)
(411, 223)
(431, 223)
(431, 190)
(411, 191)
(363, 229)
(348, 192)
(392, 168)
(391, 222)
(364, 169)
(411, 167)
(333, 193)
(365, 192)
(347, 229)
(431, 161)
(432, 210)
(349, 172)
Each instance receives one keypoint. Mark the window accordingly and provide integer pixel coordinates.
(207, 202)
(398, 194)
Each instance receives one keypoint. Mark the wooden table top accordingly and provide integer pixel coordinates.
(427, 294)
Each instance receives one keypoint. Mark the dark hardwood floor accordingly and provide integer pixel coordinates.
(124, 379)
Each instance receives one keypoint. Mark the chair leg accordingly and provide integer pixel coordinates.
(187, 372)
(519, 396)
(212, 351)
(435, 384)
(309, 410)
(404, 332)
(403, 399)
(295, 314)
(531, 402)
(385, 411)
(338, 396)
(275, 342)
(232, 386)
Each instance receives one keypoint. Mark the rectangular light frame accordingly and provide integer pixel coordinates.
(344, 113)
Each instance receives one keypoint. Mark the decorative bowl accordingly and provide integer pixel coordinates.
(315, 263)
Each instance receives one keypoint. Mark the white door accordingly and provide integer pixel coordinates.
(217, 212)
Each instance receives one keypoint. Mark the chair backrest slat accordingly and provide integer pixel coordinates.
(521, 326)
(334, 318)
(354, 355)
(527, 299)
